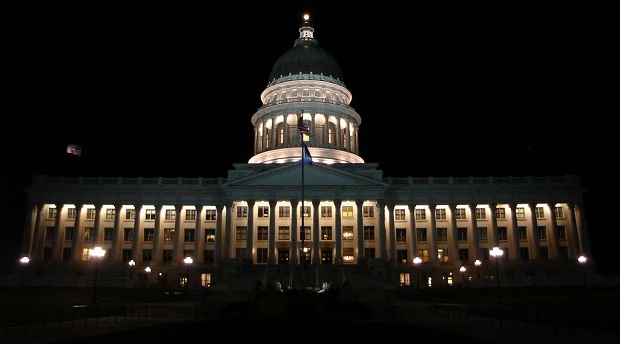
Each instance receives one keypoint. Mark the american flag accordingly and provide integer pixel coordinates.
(303, 127)
(74, 149)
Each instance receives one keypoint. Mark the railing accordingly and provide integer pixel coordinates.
(121, 181)
(571, 180)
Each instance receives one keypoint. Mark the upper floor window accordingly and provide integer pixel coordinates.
(241, 233)
(347, 211)
(401, 234)
(326, 233)
(190, 235)
(482, 234)
(399, 214)
(210, 214)
(462, 233)
(284, 233)
(110, 214)
(168, 234)
(540, 212)
(522, 232)
(262, 233)
(520, 213)
(500, 213)
(149, 214)
(263, 211)
(326, 211)
(502, 233)
(562, 232)
(420, 214)
(242, 211)
(420, 234)
(149, 234)
(209, 234)
(190, 215)
(71, 212)
(369, 232)
(90, 213)
(440, 214)
(559, 212)
(369, 211)
(284, 211)
(347, 232)
(442, 234)
(51, 213)
(460, 214)
(306, 211)
(171, 215)
(481, 214)
(130, 214)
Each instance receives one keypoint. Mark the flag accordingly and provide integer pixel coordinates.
(74, 149)
(306, 158)
(303, 127)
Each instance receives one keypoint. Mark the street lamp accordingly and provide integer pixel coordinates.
(462, 270)
(23, 262)
(416, 263)
(96, 253)
(148, 271)
(132, 264)
(582, 261)
(477, 264)
(188, 262)
(496, 252)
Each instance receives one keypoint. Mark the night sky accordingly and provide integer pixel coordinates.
(444, 88)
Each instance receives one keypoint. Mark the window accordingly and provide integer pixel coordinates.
(347, 232)
(110, 214)
(168, 234)
(170, 215)
(540, 212)
(559, 212)
(369, 252)
(262, 255)
(420, 234)
(442, 254)
(90, 214)
(442, 234)
(440, 214)
(71, 212)
(147, 255)
(562, 232)
(369, 232)
(307, 211)
(542, 232)
(190, 215)
(347, 254)
(464, 254)
(263, 211)
(284, 233)
(522, 232)
(127, 234)
(209, 256)
(544, 253)
(520, 213)
(481, 214)
(108, 234)
(401, 234)
(461, 233)
(369, 211)
(500, 213)
(460, 214)
(51, 213)
(209, 234)
(399, 214)
(242, 211)
(167, 256)
(188, 253)
(326, 233)
(405, 279)
(401, 257)
(127, 253)
(149, 214)
(49, 233)
(307, 233)
(66, 253)
(482, 234)
(502, 233)
(284, 211)
(149, 234)
(88, 233)
(347, 211)
(210, 214)
(326, 211)
(423, 254)
(240, 252)
(563, 252)
(420, 214)
(484, 253)
(524, 253)
(241, 233)
(190, 235)
(262, 233)
(130, 214)
(69, 233)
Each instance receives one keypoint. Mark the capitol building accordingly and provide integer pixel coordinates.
(305, 210)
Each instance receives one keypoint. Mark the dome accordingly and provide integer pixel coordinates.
(306, 57)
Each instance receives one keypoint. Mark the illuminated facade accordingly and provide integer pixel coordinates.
(247, 229)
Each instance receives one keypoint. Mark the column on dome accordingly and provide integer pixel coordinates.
(117, 239)
(229, 231)
(294, 255)
(272, 230)
(338, 230)
(412, 242)
(217, 259)
(360, 230)
(38, 234)
(177, 251)
(474, 243)
(571, 236)
(513, 234)
(493, 234)
(532, 235)
(552, 237)
(59, 234)
(453, 240)
(338, 142)
(158, 240)
(78, 233)
(199, 238)
(382, 245)
(432, 235)
(97, 235)
(391, 234)
(250, 239)
(263, 136)
(136, 245)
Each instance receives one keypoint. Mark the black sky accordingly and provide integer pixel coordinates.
(455, 88)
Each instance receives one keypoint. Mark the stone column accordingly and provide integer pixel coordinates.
(572, 235)
(493, 239)
(412, 242)
(552, 237)
(179, 237)
(250, 239)
(532, 235)
(432, 235)
(219, 233)
(136, 245)
(97, 232)
(360, 229)
(158, 233)
(392, 235)
(117, 239)
(39, 235)
(229, 232)
(338, 229)
(59, 234)
(316, 256)
(453, 240)
(28, 234)
(513, 234)
(272, 230)
(78, 234)
(294, 256)
(582, 232)
(382, 244)
(474, 242)
(199, 238)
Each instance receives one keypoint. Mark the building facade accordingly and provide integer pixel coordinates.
(277, 221)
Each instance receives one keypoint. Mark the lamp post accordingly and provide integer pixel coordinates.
(477, 264)
(188, 262)
(496, 252)
(582, 261)
(148, 272)
(416, 263)
(95, 254)
(132, 264)
(462, 270)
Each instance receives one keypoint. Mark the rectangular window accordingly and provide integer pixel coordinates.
(401, 234)
(520, 213)
(460, 214)
(71, 212)
(127, 253)
(90, 214)
(240, 252)
(347, 211)
(149, 214)
(522, 232)
(461, 233)
(440, 214)
(481, 214)
(464, 254)
(190, 215)
(190, 234)
(347, 232)
(209, 234)
(544, 253)
(263, 211)
(147, 255)
(262, 255)
(500, 213)
(68, 233)
(168, 234)
(284, 211)
(369, 252)
(130, 214)
(210, 214)
(108, 234)
(66, 253)
(442, 234)
(405, 279)
(563, 252)
(482, 234)
(369, 211)
(442, 254)
(399, 214)
(127, 234)
(542, 232)
(209, 256)
(326, 211)
(502, 233)
(262, 233)
(49, 233)
(284, 233)
(562, 232)
(170, 215)
(88, 233)
(423, 254)
(241, 233)
(484, 254)
(306, 233)
(420, 234)
(559, 212)
(242, 211)
(401, 257)
(524, 253)
(420, 214)
(149, 234)
(540, 212)
(326, 233)
(188, 253)
(347, 254)
(307, 211)
(51, 213)
(110, 214)
(369, 233)
(167, 256)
